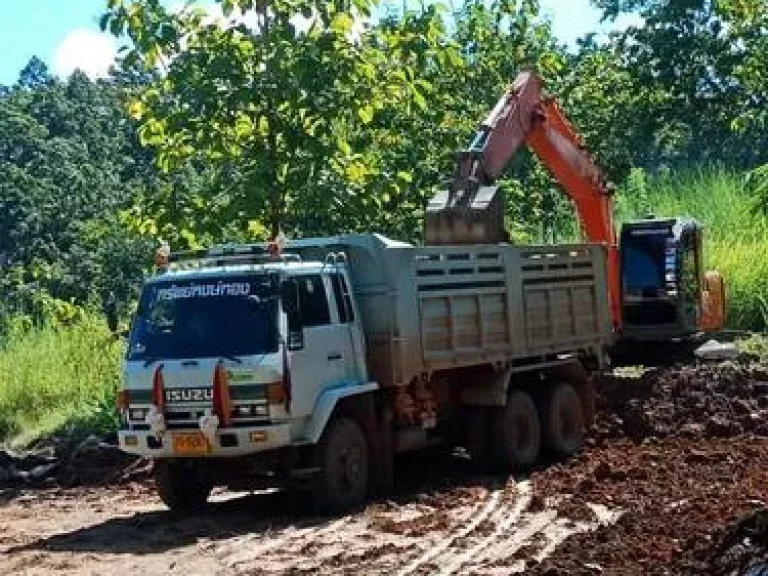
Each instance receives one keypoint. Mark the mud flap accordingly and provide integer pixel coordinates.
(378, 429)
(383, 476)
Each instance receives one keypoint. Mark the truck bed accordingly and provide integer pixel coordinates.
(426, 309)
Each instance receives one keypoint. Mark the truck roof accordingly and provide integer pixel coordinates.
(234, 270)
(229, 260)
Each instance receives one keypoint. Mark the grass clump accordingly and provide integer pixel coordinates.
(756, 345)
(58, 379)
(735, 234)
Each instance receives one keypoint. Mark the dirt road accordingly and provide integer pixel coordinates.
(472, 525)
(648, 496)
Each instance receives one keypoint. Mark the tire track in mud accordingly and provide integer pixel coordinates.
(378, 539)
(492, 506)
(280, 539)
(523, 497)
(476, 547)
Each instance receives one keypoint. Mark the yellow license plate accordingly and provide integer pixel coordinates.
(190, 443)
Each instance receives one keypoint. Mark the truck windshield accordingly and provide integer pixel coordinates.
(231, 316)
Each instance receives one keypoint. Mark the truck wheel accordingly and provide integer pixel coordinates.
(342, 483)
(563, 419)
(181, 486)
(516, 433)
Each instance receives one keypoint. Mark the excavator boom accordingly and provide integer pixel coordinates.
(471, 209)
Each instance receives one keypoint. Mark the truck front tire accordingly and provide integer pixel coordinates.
(516, 433)
(343, 455)
(181, 485)
(563, 421)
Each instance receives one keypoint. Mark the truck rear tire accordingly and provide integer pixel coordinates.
(516, 433)
(343, 455)
(181, 486)
(563, 421)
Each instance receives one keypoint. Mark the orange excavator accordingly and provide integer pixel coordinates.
(657, 285)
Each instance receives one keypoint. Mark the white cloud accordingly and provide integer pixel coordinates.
(90, 51)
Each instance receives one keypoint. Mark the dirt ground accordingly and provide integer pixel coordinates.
(674, 481)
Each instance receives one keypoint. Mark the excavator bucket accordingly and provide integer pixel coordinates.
(471, 210)
(466, 217)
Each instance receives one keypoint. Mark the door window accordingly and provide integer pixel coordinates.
(343, 298)
(313, 301)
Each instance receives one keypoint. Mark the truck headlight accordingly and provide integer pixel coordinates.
(250, 410)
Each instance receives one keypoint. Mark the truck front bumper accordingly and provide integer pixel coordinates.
(228, 442)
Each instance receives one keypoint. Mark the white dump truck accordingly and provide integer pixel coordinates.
(313, 365)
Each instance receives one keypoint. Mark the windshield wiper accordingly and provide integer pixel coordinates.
(233, 358)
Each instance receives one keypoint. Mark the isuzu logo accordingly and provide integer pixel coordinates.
(177, 395)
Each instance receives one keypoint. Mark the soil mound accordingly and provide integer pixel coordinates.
(722, 399)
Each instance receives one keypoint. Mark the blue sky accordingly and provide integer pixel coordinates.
(65, 33)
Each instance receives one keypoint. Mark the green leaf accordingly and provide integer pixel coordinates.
(342, 23)
(136, 109)
(344, 146)
(419, 100)
(152, 133)
(243, 126)
(264, 126)
(366, 114)
(190, 238)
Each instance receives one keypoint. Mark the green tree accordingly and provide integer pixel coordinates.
(701, 62)
(68, 158)
(271, 109)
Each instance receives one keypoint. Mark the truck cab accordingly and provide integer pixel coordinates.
(218, 345)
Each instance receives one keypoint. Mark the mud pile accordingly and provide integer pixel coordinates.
(679, 499)
(69, 462)
(701, 400)
(683, 452)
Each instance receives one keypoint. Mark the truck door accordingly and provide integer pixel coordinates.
(347, 318)
(318, 363)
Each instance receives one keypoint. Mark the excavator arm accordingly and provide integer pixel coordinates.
(471, 209)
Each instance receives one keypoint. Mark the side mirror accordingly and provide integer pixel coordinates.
(289, 297)
(110, 311)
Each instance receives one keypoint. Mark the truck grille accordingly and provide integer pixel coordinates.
(178, 418)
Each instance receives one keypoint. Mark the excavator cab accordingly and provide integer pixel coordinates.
(665, 293)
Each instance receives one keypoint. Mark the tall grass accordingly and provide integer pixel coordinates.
(58, 378)
(736, 237)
